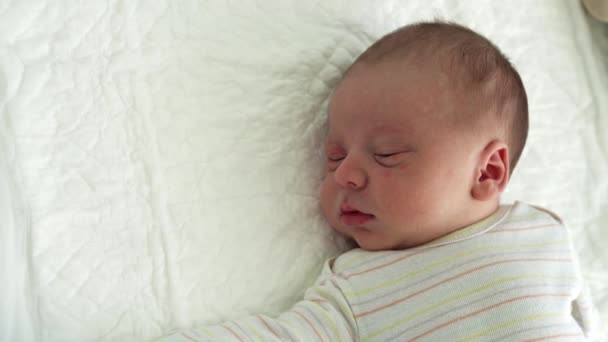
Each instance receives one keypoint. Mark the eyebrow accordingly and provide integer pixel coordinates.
(384, 128)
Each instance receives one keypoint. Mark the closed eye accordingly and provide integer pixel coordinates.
(333, 162)
(386, 155)
(389, 159)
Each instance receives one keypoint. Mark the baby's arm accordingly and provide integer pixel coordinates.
(323, 315)
(585, 314)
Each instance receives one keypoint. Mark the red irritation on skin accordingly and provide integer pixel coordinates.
(334, 151)
(386, 174)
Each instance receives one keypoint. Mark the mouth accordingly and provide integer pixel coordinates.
(353, 217)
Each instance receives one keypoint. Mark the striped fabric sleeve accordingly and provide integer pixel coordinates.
(585, 314)
(583, 311)
(323, 315)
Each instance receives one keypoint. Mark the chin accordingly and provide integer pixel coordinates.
(363, 238)
(369, 245)
(373, 248)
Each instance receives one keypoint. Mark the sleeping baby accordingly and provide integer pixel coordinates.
(425, 129)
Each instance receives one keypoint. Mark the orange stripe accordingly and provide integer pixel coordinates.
(312, 326)
(482, 310)
(452, 278)
(319, 300)
(267, 326)
(524, 229)
(384, 265)
(232, 332)
(188, 337)
(553, 336)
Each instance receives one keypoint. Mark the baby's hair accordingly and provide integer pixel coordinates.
(472, 63)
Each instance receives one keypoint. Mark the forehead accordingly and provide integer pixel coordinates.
(388, 98)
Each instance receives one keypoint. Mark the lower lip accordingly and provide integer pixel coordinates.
(355, 219)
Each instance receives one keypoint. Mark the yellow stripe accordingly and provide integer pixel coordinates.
(290, 329)
(504, 325)
(362, 255)
(329, 320)
(343, 310)
(207, 332)
(456, 297)
(254, 331)
(445, 261)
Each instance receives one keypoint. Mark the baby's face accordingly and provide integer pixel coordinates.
(398, 172)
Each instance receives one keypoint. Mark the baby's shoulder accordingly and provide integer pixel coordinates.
(526, 210)
(525, 214)
(530, 222)
(358, 260)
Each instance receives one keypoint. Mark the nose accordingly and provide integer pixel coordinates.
(350, 175)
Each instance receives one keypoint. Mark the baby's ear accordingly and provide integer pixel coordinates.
(492, 171)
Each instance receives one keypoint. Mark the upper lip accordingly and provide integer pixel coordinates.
(346, 208)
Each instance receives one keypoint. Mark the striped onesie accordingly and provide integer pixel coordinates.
(510, 277)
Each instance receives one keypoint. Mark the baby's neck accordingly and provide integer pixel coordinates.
(471, 214)
(481, 211)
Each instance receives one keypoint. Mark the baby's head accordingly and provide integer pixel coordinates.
(425, 129)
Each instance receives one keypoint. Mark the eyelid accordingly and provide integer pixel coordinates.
(334, 153)
(388, 159)
(391, 154)
(384, 155)
(333, 162)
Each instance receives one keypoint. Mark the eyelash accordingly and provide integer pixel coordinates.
(376, 155)
(382, 156)
(386, 155)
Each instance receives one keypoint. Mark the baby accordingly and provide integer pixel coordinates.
(425, 130)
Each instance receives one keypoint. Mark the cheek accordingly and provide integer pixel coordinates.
(392, 190)
(405, 194)
(327, 196)
(452, 179)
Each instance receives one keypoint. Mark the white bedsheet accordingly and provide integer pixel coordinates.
(160, 160)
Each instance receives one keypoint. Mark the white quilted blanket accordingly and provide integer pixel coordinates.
(159, 160)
